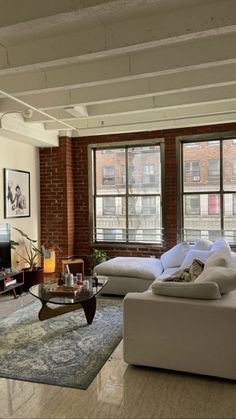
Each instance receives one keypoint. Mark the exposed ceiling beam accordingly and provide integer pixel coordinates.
(141, 87)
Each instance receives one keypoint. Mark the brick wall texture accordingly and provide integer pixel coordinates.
(64, 192)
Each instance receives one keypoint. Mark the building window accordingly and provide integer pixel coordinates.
(213, 197)
(109, 205)
(192, 204)
(148, 173)
(213, 169)
(149, 205)
(234, 204)
(213, 204)
(108, 175)
(192, 171)
(126, 186)
(234, 169)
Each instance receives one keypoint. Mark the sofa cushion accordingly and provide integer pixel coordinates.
(219, 245)
(206, 290)
(195, 254)
(146, 268)
(224, 277)
(203, 244)
(175, 256)
(219, 258)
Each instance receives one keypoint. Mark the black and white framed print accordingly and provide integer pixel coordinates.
(16, 193)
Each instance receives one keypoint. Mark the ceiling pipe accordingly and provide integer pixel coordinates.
(36, 110)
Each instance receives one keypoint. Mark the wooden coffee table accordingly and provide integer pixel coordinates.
(83, 299)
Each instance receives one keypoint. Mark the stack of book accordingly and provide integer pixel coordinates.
(9, 281)
(65, 291)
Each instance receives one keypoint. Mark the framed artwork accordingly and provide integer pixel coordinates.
(16, 193)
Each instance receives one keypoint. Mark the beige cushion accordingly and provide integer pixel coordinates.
(219, 245)
(206, 290)
(224, 277)
(220, 258)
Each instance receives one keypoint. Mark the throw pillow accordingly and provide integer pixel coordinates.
(219, 245)
(187, 274)
(225, 278)
(220, 258)
(195, 254)
(207, 290)
(203, 244)
(175, 256)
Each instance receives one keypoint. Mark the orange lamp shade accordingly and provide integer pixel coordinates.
(49, 264)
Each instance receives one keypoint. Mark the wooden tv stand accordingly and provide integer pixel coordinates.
(6, 286)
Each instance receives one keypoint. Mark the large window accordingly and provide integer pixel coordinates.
(126, 193)
(208, 206)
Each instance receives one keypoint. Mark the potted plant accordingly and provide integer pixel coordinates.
(98, 256)
(30, 254)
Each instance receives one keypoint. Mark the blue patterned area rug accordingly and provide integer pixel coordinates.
(64, 350)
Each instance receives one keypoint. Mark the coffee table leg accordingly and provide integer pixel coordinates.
(89, 307)
(47, 313)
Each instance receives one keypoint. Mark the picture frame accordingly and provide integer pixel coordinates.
(16, 193)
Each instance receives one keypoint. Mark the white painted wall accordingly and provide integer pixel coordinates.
(16, 155)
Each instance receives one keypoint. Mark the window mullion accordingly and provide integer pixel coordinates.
(127, 195)
(94, 196)
(221, 188)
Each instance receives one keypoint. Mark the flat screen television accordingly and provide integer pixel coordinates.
(5, 246)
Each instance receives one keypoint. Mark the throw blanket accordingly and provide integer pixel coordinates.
(187, 274)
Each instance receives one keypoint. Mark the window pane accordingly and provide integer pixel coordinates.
(192, 205)
(229, 216)
(229, 165)
(214, 170)
(110, 218)
(196, 215)
(201, 167)
(110, 172)
(144, 175)
(192, 235)
(148, 228)
(191, 171)
(213, 204)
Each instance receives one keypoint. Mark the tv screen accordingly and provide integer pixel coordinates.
(5, 246)
(5, 255)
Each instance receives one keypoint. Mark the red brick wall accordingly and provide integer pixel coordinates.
(64, 191)
(57, 198)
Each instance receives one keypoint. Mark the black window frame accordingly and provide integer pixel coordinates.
(224, 231)
(134, 146)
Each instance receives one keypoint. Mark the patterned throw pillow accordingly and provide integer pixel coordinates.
(187, 274)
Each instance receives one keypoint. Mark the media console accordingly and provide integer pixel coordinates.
(11, 281)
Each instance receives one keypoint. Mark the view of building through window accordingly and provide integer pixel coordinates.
(127, 194)
(209, 190)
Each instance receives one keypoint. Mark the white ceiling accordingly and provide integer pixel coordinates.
(103, 66)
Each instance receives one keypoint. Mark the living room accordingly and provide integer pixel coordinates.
(117, 83)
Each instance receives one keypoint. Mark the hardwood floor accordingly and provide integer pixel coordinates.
(118, 391)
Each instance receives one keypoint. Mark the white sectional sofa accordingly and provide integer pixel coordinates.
(183, 334)
(184, 326)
